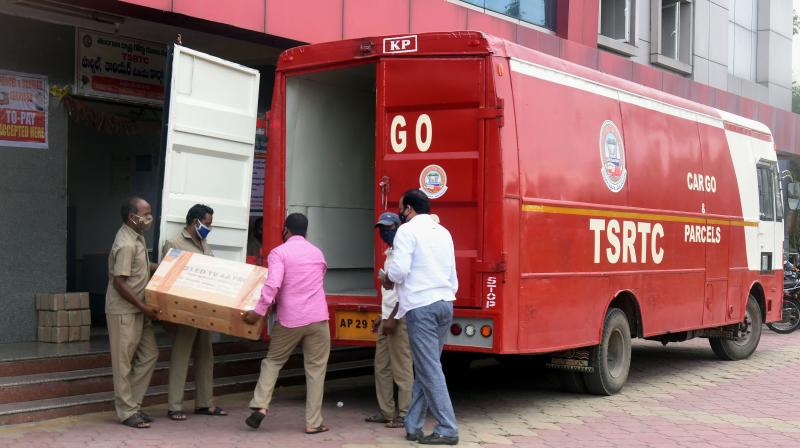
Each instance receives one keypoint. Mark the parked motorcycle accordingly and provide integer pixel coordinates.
(790, 314)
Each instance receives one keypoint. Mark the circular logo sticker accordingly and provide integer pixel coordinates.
(612, 156)
(433, 181)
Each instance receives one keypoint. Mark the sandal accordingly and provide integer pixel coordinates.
(178, 416)
(254, 421)
(397, 422)
(146, 417)
(136, 421)
(208, 411)
(377, 418)
(317, 430)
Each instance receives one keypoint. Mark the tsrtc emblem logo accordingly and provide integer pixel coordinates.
(433, 181)
(612, 156)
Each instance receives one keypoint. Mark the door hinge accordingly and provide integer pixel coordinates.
(489, 113)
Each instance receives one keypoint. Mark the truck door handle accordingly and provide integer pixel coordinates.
(384, 186)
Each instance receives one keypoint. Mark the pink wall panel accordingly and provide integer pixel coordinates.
(676, 85)
(615, 65)
(782, 130)
(479, 21)
(375, 17)
(164, 5)
(648, 76)
(579, 54)
(702, 94)
(546, 43)
(247, 14)
(311, 21)
(427, 15)
(726, 101)
(747, 108)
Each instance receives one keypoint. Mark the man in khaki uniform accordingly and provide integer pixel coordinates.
(393, 363)
(130, 331)
(190, 341)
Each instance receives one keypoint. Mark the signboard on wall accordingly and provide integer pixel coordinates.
(116, 67)
(23, 110)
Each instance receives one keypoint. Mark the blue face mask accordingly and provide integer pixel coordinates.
(202, 230)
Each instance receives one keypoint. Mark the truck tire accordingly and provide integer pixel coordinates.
(742, 348)
(612, 358)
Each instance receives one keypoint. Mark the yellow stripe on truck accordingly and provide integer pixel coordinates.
(593, 212)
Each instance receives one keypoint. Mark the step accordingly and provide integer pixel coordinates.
(34, 410)
(86, 381)
(84, 356)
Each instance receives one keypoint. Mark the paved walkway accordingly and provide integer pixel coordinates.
(676, 396)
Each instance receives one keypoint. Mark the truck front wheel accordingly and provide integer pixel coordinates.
(749, 336)
(612, 358)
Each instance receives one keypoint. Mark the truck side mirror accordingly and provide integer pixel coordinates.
(793, 195)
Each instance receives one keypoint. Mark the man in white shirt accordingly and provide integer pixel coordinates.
(392, 351)
(423, 269)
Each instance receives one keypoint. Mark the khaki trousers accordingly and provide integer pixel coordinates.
(393, 365)
(134, 354)
(316, 340)
(194, 343)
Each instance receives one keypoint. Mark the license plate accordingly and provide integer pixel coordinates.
(356, 325)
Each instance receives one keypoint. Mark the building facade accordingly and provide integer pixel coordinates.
(61, 199)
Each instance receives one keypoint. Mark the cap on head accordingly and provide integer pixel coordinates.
(387, 219)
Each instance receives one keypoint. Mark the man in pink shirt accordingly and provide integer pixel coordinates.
(294, 287)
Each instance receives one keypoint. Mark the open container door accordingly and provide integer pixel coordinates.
(431, 122)
(209, 135)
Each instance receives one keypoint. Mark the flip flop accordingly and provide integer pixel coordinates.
(377, 418)
(136, 421)
(254, 421)
(207, 411)
(397, 422)
(317, 430)
(178, 416)
(146, 417)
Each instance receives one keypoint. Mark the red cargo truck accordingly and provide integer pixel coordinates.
(586, 210)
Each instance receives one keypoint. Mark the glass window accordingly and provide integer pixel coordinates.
(766, 196)
(778, 195)
(675, 32)
(536, 12)
(616, 19)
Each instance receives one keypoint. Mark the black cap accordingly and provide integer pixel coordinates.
(387, 219)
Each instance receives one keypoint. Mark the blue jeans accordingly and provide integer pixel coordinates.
(427, 329)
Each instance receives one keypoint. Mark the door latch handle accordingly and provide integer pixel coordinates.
(384, 186)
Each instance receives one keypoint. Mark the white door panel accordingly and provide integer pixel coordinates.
(209, 147)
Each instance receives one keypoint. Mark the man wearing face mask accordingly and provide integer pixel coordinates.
(423, 269)
(130, 331)
(392, 352)
(294, 285)
(190, 341)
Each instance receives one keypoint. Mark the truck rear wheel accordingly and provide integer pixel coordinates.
(750, 331)
(612, 358)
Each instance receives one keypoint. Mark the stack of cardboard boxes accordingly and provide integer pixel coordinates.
(64, 317)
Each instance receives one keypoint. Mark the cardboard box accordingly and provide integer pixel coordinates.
(53, 318)
(74, 318)
(54, 334)
(86, 332)
(74, 334)
(50, 302)
(207, 293)
(72, 301)
(86, 317)
(85, 303)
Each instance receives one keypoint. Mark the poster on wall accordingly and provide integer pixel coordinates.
(119, 68)
(23, 110)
